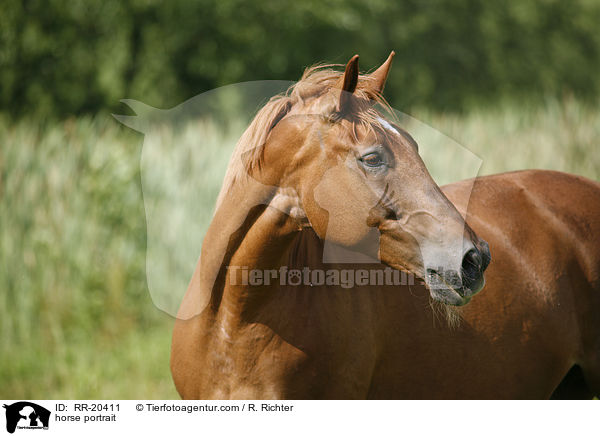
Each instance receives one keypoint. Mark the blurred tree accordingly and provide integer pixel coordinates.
(60, 57)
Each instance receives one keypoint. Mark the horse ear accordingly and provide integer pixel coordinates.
(379, 76)
(350, 82)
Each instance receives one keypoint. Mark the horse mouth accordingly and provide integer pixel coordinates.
(449, 296)
(439, 289)
(444, 292)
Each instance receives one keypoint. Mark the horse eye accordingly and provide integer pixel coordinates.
(372, 160)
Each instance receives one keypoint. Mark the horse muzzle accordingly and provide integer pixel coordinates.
(456, 288)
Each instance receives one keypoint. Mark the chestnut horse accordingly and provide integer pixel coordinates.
(321, 171)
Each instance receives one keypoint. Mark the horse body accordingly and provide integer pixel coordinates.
(538, 316)
(536, 319)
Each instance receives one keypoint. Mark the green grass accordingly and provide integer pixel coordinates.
(561, 135)
(76, 316)
(76, 319)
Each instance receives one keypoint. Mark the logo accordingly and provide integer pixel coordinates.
(26, 415)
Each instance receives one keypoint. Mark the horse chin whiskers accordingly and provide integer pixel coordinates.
(451, 315)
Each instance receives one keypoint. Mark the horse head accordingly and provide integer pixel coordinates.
(360, 182)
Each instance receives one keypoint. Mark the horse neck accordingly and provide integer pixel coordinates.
(251, 230)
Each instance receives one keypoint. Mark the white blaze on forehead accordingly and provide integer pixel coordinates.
(387, 126)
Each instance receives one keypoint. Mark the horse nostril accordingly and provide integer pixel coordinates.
(471, 268)
(485, 254)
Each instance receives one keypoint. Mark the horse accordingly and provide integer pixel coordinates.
(323, 180)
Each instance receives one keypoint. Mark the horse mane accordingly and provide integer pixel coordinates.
(316, 82)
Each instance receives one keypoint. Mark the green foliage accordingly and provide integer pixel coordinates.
(59, 58)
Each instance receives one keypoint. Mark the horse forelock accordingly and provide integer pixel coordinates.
(307, 96)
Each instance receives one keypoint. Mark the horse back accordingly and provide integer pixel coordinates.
(522, 204)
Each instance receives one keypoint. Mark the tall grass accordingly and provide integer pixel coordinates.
(562, 135)
(76, 317)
